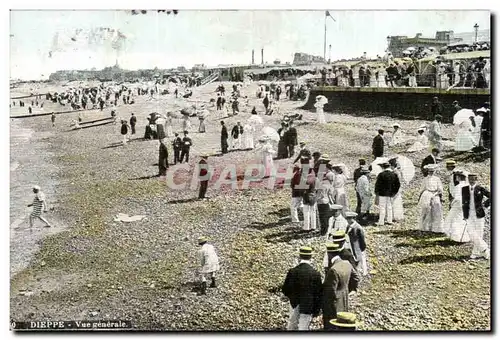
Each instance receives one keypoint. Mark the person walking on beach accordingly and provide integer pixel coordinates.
(386, 187)
(53, 119)
(133, 121)
(223, 137)
(203, 172)
(473, 209)
(177, 143)
(39, 202)
(378, 144)
(236, 133)
(124, 131)
(163, 159)
(186, 146)
(209, 264)
(304, 288)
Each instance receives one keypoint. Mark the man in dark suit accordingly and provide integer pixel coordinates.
(163, 159)
(186, 146)
(304, 289)
(203, 176)
(223, 138)
(237, 135)
(339, 237)
(450, 167)
(177, 144)
(386, 187)
(341, 279)
(473, 210)
(431, 159)
(378, 144)
(356, 176)
(303, 153)
(291, 139)
(133, 122)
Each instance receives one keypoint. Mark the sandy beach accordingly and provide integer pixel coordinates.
(90, 267)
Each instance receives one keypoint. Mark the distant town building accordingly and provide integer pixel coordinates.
(398, 44)
(469, 37)
(307, 59)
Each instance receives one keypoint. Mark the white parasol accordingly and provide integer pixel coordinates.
(270, 133)
(407, 168)
(462, 115)
(255, 120)
(321, 99)
(376, 168)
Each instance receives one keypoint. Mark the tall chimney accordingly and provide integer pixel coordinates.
(253, 57)
(262, 56)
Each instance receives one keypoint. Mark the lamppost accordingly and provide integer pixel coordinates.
(476, 26)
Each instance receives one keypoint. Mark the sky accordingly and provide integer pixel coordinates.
(213, 37)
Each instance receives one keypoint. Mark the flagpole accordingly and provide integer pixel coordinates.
(324, 42)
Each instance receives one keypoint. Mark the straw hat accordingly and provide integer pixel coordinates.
(345, 320)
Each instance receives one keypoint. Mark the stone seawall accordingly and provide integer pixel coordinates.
(405, 103)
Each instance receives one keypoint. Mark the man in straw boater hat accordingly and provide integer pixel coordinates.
(303, 287)
(341, 239)
(340, 279)
(474, 213)
(365, 194)
(209, 264)
(337, 221)
(386, 187)
(345, 321)
(39, 202)
(203, 176)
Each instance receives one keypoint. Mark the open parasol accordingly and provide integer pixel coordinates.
(255, 120)
(462, 115)
(376, 168)
(269, 133)
(407, 168)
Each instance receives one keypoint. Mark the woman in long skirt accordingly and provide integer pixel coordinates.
(454, 225)
(397, 200)
(248, 137)
(186, 124)
(267, 157)
(310, 207)
(201, 129)
(465, 140)
(339, 188)
(431, 209)
(168, 125)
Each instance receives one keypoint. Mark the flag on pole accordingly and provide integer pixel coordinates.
(327, 14)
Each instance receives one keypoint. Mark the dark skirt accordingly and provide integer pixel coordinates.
(160, 131)
(282, 150)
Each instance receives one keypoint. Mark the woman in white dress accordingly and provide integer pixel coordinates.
(248, 136)
(465, 137)
(339, 183)
(431, 209)
(476, 129)
(454, 225)
(381, 77)
(168, 125)
(397, 136)
(268, 153)
(421, 143)
(186, 123)
(397, 201)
